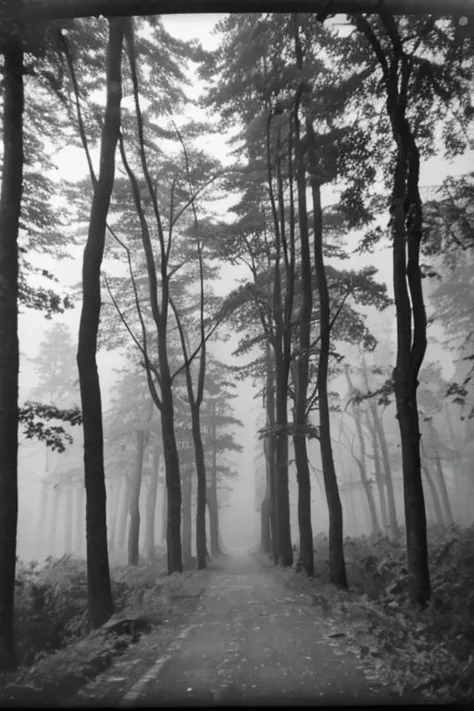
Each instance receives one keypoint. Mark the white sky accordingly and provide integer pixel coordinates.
(71, 164)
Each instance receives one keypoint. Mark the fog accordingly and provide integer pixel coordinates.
(46, 510)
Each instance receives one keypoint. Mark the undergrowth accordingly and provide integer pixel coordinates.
(55, 651)
(426, 653)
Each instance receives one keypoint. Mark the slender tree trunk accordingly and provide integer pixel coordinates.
(100, 604)
(201, 545)
(170, 450)
(116, 487)
(134, 528)
(306, 554)
(337, 566)
(123, 514)
(270, 444)
(266, 506)
(187, 517)
(164, 514)
(212, 490)
(151, 503)
(379, 479)
(10, 206)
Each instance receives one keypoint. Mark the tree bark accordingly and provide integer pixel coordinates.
(10, 206)
(151, 502)
(135, 488)
(337, 566)
(99, 595)
(164, 514)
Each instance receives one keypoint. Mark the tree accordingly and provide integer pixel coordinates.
(10, 206)
(99, 595)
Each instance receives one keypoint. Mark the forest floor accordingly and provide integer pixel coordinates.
(244, 631)
(250, 640)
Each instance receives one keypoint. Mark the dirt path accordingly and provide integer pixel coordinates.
(249, 641)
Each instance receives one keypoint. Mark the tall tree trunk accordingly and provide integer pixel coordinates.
(10, 206)
(134, 528)
(212, 490)
(123, 514)
(266, 506)
(406, 232)
(361, 460)
(282, 357)
(201, 489)
(306, 554)
(270, 444)
(187, 516)
(173, 481)
(151, 502)
(99, 595)
(337, 566)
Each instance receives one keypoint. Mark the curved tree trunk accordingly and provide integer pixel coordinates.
(337, 566)
(99, 594)
(10, 206)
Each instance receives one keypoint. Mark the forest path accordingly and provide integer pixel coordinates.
(249, 641)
